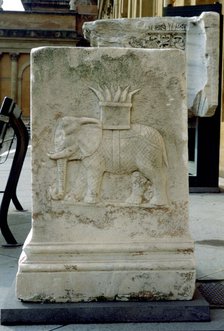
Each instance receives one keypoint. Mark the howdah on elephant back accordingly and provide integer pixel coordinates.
(138, 151)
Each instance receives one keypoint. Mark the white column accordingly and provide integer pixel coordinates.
(129, 8)
(159, 8)
(14, 73)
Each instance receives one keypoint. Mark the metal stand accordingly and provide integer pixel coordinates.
(9, 110)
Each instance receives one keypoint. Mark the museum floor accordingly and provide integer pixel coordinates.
(207, 229)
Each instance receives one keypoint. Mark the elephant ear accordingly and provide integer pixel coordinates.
(89, 137)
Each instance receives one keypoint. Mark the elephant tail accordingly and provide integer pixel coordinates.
(165, 158)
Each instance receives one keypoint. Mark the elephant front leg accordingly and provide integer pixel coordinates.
(58, 192)
(94, 180)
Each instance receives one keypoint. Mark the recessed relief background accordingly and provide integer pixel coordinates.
(111, 135)
(114, 145)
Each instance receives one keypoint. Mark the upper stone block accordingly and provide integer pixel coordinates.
(113, 104)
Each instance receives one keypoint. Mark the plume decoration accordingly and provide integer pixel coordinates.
(114, 95)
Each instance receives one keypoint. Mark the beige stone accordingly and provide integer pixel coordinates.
(110, 191)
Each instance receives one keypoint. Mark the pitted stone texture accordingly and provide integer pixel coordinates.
(110, 206)
(195, 35)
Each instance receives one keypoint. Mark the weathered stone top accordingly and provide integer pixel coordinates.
(152, 32)
(194, 35)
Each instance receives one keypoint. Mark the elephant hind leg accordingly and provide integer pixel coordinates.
(138, 188)
(160, 197)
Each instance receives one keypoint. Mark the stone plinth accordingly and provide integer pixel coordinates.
(15, 312)
(110, 206)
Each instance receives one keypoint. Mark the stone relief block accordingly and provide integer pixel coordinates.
(110, 191)
(138, 150)
(194, 35)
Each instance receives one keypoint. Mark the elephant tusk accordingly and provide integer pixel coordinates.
(51, 155)
(56, 156)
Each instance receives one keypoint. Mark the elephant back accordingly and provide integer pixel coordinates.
(147, 137)
(155, 140)
(146, 132)
(122, 147)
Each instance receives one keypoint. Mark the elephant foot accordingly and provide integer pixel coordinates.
(72, 197)
(136, 200)
(158, 201)
(91, 199)
(56, 195)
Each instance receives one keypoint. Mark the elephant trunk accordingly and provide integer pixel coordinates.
(61, 176)
(71, 152)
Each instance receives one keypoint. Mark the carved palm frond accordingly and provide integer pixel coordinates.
(114, 95)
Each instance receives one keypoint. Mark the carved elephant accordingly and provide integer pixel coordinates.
(139, 151)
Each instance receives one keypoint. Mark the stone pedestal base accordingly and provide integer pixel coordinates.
(72, 273)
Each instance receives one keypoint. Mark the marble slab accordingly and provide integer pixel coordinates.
(110, 205)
